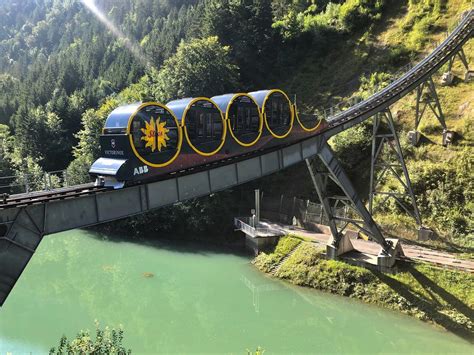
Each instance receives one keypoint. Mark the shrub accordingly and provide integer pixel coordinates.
(107, 341)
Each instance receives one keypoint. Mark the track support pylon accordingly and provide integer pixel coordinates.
(362, 219)
(390, 161)
(426, 96)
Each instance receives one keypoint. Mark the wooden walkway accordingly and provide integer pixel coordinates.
(413, 253)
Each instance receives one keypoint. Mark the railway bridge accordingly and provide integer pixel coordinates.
(26, 218)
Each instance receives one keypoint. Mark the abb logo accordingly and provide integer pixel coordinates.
(140, 170)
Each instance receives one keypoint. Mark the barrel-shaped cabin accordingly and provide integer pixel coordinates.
(149, 130)
(277, 111)
(203, 124)
(243, 117)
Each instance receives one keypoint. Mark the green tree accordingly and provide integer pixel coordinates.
(246, 26)
(201, 67)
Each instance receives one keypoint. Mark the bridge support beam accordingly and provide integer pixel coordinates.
(427, 97)
(462, 56)
(391, 162)
(340, 244)
(19, 238)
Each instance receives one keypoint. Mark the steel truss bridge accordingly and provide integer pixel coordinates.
(26, 218)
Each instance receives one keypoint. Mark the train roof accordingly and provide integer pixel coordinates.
(179, 107)
(260, 96)
(119, 117)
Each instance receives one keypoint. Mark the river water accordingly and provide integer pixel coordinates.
(179, 297)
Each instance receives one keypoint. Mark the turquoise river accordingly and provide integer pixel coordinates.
(178, 297)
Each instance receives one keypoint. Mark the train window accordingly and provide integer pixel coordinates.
(248, 119)
(209, 124)
(207, 120)
(200, 125)
(278, 114)
(136, 133)
(240, 118)
(217, 129)
(255, 119)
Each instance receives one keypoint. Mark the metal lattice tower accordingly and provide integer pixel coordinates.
(462, 56)
(426, 96)
(390, 161)
(334, 171)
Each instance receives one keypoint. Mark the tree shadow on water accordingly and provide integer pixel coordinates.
(178, 243)
(432, 306)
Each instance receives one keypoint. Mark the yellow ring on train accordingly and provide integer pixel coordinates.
(189, 105)
(262, 98)
(180, 135)
(301, 123)
(225, 102)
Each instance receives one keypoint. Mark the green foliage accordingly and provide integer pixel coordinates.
(285, 245)
(373, 83)
(39, 134)
(446, 194)
(359, 13)
(258, 351)
(420, 21)
(107, 341)
(201, 67)
(5, 165)
(245, 26)
(353, 145)
(345, 16)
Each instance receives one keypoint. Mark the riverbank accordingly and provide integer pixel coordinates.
(443, 297)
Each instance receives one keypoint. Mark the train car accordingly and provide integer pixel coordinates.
(148, 141)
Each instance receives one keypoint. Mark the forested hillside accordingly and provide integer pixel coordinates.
(66, 64)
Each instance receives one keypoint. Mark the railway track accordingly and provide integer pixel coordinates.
(407, 82)
(32, 198)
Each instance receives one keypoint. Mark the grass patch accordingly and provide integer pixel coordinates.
(265, 262)
(444, 297)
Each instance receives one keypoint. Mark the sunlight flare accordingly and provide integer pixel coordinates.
(130, 44)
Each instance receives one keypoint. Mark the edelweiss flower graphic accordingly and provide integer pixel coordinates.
(155, 134)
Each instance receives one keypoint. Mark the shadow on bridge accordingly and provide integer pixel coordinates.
(431, 305)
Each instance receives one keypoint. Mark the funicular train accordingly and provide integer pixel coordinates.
(147, 141)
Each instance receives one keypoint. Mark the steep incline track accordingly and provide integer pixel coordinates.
(406, 83)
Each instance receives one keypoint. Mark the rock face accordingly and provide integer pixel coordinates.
(447, 78)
